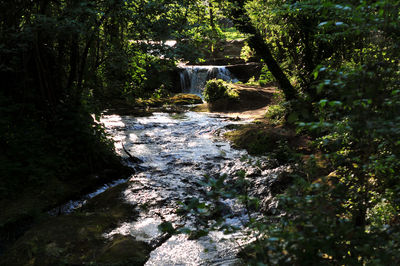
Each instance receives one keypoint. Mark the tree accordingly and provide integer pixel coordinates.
(347, 211)
(239, 16)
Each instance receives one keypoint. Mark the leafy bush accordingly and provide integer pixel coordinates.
(217, 89)
(246, 53)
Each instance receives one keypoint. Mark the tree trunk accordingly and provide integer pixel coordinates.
(82, 63)
(238, 15)
(212, 23)
(211, 12)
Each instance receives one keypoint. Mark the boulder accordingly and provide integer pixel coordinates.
(243, 72)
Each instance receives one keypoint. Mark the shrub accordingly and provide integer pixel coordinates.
(217, 89)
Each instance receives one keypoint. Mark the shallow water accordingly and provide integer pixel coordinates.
(177, 150)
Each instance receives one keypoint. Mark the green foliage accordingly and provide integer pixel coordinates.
(349, 217)
(313, 234)
(246, 53)
(217, 90)
(264, 79)
(159, 74)
(343, 57)
(44, 156)
(276, 114)
(265, 76)
(232, 33)
(56, 59)
(60, 59)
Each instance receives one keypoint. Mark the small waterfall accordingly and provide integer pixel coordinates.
(193, 78)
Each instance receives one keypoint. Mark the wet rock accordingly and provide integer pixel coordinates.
(268, 184)
(182, 99)
(112, 203)
(124, 250)
(185, 163)
(268, 163)
(72, 240)
(253, 171)
(178, 152)
(245, 71)
(281, 181)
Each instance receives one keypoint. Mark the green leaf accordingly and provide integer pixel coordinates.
(166, 227)
(323, 102)
(335, 103)
(293, 117)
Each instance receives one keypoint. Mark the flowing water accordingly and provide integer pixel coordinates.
(194, 78)
(177, 151)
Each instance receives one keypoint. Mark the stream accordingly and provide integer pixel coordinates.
(177, 150)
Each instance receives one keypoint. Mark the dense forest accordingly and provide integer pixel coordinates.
(336, 64)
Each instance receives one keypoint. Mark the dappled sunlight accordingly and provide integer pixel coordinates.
(146, 229)
(215, 249)
(133, 137)
(266, 131)
(177, 152)
(143, 230)
(114, 124)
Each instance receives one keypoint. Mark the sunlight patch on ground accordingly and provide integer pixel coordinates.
(143, 230)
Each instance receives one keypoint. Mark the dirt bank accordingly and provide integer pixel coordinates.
(263, 136)
(252, 104)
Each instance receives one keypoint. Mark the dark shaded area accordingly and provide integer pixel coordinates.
(243, 72)
(77, 239)
(52, 147)
(250, 98)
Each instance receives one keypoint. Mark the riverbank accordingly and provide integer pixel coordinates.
(265, 135)
(77, 238)
(175, 103)
(252, 103)
(20, 212)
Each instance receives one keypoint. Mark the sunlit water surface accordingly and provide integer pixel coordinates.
(177, 151)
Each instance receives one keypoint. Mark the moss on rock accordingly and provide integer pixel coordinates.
(255, 139)
(263, 138)
(183, 99)
(177, 99)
